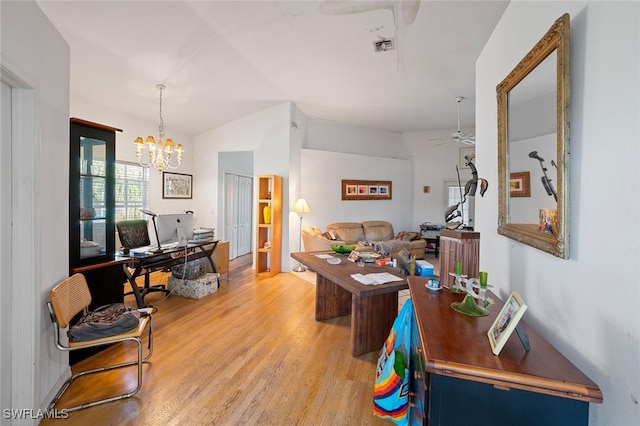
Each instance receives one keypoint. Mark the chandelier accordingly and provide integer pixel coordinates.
(160, 152)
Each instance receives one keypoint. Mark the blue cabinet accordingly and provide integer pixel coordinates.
(456, 379)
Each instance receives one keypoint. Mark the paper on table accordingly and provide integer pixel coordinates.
(323, 256)
(375, 279)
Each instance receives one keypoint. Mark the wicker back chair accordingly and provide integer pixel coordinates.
(72, 297)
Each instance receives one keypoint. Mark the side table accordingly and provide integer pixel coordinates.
(432, 236)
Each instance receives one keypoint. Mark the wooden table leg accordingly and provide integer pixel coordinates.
(331, 300)
(371, 321)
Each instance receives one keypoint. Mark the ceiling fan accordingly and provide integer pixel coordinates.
(458, 135)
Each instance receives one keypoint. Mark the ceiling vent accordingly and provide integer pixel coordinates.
(384, 44)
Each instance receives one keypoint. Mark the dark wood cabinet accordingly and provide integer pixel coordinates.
(456, 379)
(92, 213)
(91, 193)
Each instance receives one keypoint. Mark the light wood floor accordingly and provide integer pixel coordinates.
(250, 353)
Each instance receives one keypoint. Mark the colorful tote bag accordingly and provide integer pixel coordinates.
(391, 389)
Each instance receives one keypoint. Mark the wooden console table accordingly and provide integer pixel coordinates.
(373, 308)
(456, 379)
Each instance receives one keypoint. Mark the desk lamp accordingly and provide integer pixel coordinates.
(301, 207)
(155, 228)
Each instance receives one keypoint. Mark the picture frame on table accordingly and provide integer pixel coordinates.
(506, 322)
(366, 189)
(520, 184)
(548, 223)
(177, 185)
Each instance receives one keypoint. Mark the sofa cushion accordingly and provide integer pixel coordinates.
(312, 231)
(378, 230)
(350, 232)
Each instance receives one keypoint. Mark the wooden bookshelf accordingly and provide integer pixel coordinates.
(269, 259)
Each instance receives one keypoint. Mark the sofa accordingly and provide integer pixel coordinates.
(376, 235)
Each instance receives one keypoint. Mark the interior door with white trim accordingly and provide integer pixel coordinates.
(245, 197)
(230, 215)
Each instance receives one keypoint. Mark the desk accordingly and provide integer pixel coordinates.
(453, 365)
(170, 257)
(373, 308)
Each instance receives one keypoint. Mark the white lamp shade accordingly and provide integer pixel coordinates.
(301, 206)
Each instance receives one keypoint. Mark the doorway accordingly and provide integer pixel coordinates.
(454, 193)
(5, 249)
(19, 214)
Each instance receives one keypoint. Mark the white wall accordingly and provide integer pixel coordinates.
(36, 53)
(125, 151)
(325, 135)
(586, 306)
(434, 162)
(299, 133)
(322, 173)
(334, 151)
(266, 134)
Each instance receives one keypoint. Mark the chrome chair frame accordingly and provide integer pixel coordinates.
(62, 308)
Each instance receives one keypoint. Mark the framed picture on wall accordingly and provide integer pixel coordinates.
(176, 185)
(366, 189)
(519, 184)
(506, 322)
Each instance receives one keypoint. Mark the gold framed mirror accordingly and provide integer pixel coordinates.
(533, 145)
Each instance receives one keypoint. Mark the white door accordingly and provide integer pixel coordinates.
(230, 208)
(245, 196)
(237, 213)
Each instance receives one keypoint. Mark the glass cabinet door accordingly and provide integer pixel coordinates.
(91, 193)
(92, 200)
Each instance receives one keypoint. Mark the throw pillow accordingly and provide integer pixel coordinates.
(408, 236)
(331, 234)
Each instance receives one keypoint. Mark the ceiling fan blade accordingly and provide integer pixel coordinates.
(469, 141)
(458, 135)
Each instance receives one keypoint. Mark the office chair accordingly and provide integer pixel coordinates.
(72, 297)
(133, 234)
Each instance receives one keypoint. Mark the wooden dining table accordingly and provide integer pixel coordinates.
(373, 308)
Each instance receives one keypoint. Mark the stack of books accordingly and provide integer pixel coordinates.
(201, 235)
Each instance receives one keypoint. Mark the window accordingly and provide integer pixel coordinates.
(453, 194)
(132, 190)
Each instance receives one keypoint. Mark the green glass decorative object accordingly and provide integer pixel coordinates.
(469, 307)
(343, 249)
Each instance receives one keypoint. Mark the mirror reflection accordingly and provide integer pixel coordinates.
(533, 145)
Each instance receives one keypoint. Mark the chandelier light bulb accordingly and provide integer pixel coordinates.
(161, 152)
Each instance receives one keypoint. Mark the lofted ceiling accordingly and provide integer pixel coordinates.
(222, 60)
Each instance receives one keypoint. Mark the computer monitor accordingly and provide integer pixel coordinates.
(171, 226)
